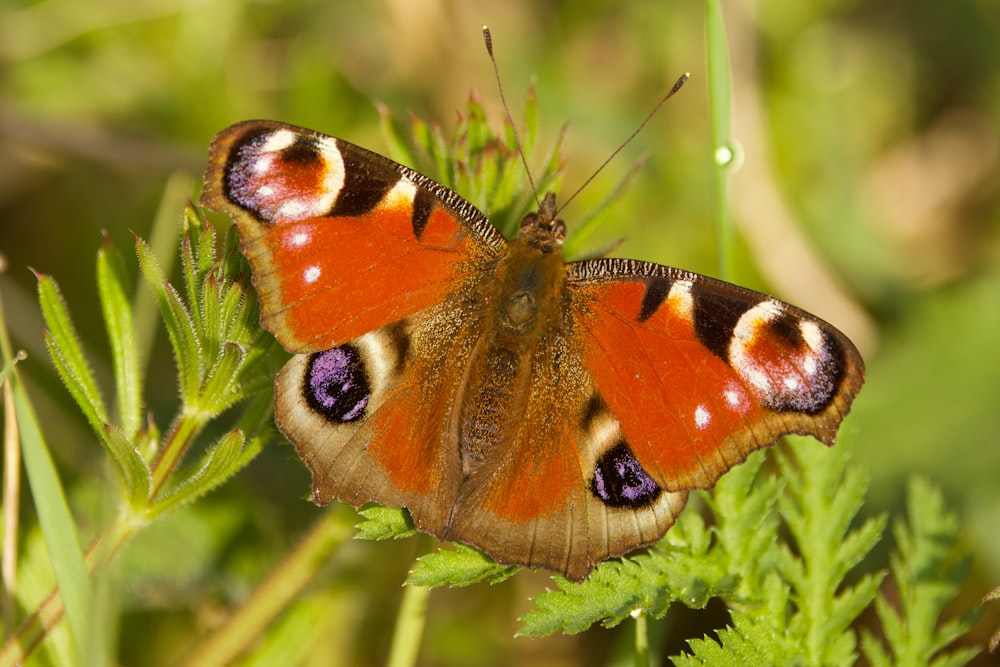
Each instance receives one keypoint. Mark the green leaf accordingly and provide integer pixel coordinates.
(824, 496)
(220, 463)
(220, 390)
(612, 591)
(928, 568)
(191, 273)
(683, 567)
(54, 516)
(400, 142)
(117, 309)
(180, 327)
(720, 103)
(462, 566)
(132, 467)
(67, 355)
(384, 523)
(746, 526)
(750, 640)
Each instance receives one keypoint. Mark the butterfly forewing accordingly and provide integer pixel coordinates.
(341, 240)
(702, 372)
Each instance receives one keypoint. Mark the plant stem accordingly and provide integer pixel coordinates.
(409, 628)
(177, 441)
(723, 149)
(641, 639)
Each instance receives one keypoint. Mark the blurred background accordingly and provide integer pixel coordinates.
(868, 193)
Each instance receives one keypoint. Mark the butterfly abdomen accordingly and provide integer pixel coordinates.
(524, 310)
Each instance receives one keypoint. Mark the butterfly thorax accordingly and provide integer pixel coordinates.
(524, 308)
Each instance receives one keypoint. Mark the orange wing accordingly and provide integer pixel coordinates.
(700, 373)
(341, 240)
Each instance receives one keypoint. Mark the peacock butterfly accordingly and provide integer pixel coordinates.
(551, 414)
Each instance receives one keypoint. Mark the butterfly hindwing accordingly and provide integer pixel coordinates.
(701, 372)
(373, 418)
(341, 240)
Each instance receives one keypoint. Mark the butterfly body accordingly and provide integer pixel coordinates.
(552, 414)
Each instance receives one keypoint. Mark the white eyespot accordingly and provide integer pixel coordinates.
(812, 335)
(748, 324)
(263, 164)
(810, 365)
(401, 195)
(265, 191)
(278, 141)
(299, 239)
(680, 299)
(702, 417)
(757, 378)
(791, 382)
(733, 397)
(311, 274)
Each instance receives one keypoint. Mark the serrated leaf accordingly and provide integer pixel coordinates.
(823, 496)
(748, 641)
(928, 570)
(673, 571)
(383, 523)
(612, 591)
(461, 566)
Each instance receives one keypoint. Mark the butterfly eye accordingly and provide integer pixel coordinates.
(559, 229)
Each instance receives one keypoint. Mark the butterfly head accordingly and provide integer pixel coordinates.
(542, 229)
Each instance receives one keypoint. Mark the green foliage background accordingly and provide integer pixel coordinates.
(868, 194)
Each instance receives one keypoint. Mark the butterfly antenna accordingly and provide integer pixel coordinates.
(488, 39)
(677, 86)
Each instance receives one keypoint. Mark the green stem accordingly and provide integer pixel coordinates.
(179, 438)
(720, 118)
(641, 640)
(409, 627)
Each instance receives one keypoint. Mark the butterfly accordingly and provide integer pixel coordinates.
(551, 414)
